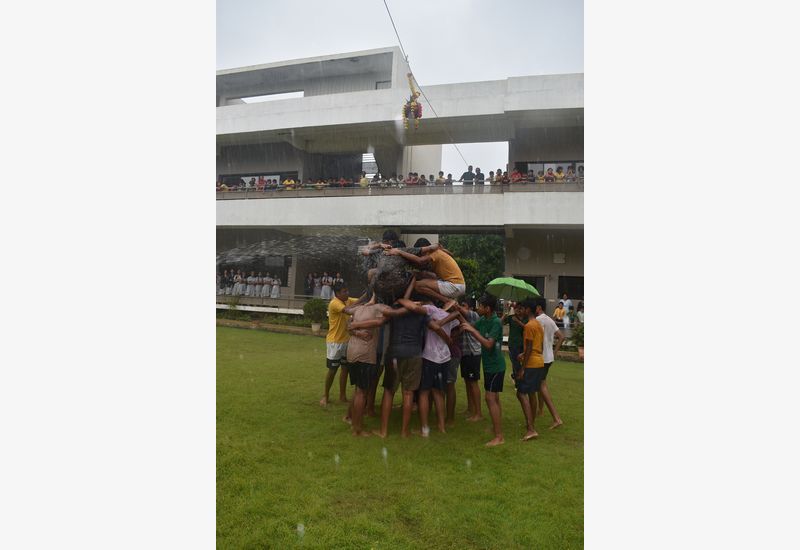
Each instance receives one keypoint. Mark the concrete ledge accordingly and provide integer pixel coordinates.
(257, 325)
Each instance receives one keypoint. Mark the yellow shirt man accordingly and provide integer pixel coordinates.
(533, 332)
(558, 314)
(446, 267)
(337, 321)
(363, 182)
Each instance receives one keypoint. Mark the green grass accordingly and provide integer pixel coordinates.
(275, 463)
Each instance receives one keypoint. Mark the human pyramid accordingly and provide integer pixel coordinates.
(414, 326)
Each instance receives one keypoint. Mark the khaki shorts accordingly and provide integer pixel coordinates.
(409, 372)
(451, 290)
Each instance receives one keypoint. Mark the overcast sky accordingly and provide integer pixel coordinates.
(446, 41)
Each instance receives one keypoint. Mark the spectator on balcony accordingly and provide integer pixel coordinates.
(531, 177)
(516, 176)
(276, 288)
(449, 179)
(570, 177)
(237, 280)
(441, 179)
(363, 181)
(490, 179)
(540, 177)
(229, 283)
(580, 173)
(289, 183)
(222, 187)
(549, 177)
(506, 180)
(392, 181)
(251, 184)
(262, 183)
(338, 279)
(468, 177)
(560, 175)
(480, 177)
(431, 182)
(579, 313)
(409, 180)
(498, 177)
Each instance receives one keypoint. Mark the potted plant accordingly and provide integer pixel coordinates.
(577, 338)
(315, 310)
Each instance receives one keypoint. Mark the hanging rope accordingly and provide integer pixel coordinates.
(449, 136)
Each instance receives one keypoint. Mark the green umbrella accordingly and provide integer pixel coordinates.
(510, 288)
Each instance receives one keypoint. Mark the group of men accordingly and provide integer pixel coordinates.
(419, 337)
(238, 283)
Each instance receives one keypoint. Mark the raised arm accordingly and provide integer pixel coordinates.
(419, 261)
(412, 307)
(371, 323)
(487, 343)
(440, 332)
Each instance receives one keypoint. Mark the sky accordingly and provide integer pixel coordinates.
(502, 38)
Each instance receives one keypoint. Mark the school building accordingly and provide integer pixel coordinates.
(333, 116)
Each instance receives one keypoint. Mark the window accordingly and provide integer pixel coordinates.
(536, 281)
(573, 286)
(383, 84)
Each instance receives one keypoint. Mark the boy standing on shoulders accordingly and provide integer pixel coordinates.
(489, 332)
(548, 355)
(336, 342)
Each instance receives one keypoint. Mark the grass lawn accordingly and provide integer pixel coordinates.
(279, 486)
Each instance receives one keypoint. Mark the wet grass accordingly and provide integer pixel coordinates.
(276, 465)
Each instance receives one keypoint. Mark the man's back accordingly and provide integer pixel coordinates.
(407, 335)
(446, 267)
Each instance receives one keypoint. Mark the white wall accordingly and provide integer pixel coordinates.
(423, 159)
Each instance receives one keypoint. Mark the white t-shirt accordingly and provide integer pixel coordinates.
(567, 305)
(549, 326)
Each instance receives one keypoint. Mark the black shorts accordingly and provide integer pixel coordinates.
(471, 367)
(546, 370)
(362, 374)
(532, 380)
(434, 375)
(493, 381)
(336, 363)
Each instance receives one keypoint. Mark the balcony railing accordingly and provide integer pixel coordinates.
(378, 190)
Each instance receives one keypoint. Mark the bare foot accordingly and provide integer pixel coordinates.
(379, 434)
(361, 434)
(323, 402)
(556, 424)
(347, 419)
(475, 418)
(530, 435)
(405, 435)
(370, 413)
(342, 399)
(451, 424)
(496, 441)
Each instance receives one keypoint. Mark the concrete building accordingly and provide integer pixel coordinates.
(351, 105)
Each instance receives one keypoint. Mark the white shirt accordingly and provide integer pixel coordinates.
(567, 304)
(549, 326)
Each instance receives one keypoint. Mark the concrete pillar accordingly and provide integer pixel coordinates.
(389, 160)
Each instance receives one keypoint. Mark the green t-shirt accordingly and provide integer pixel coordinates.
(514, 331)
(493, 360)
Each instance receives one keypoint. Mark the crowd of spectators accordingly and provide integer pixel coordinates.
(498, 177)
(239, 283)
(321, 286)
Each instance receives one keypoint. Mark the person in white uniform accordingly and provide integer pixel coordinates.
(317, 286)
(237, 283)
(259, 284)
(276, 288)
(327, 282)
(266, 286)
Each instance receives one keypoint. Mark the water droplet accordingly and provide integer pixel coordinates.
(469, 463)
(384, 452)
(310, 454)
(336, 459)
(301, 530)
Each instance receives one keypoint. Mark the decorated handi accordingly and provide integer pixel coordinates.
(412, 108)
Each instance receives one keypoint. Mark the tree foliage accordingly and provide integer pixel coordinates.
(481, 258)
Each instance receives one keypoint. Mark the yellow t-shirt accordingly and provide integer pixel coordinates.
(446, 267)
(559, 176)
(533, 332)
(559, 313)
(337, 321)
(364, 182)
